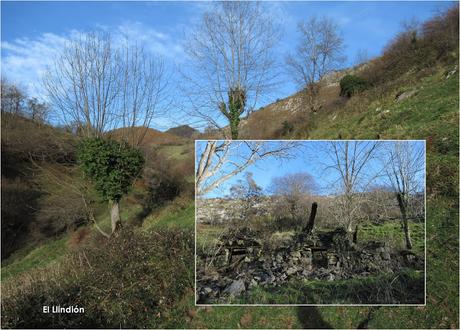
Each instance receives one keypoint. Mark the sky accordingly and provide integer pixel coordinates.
(312, 158)
(33, 32)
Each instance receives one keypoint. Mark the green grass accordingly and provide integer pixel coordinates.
(433, 111)
(52, 251)
(189, 316)
(44, 255)
(392, 233)
(178, 152)
(171, 217)
(207, 236)
(404, 287)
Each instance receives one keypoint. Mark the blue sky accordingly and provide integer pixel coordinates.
(312, 158)
(32, 32)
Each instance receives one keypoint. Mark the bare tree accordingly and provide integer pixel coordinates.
(38, 111)
(83, 83)
(293, 189)
(73, 195)
(349, 160)
(247, 194)
(231, 51)
(13, 98)
(404, 166)
(99, 86)
(218, 161)
(320, 51)
(143, 92)
(361, 57)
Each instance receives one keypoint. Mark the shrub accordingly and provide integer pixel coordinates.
(350, 85)
(163, 180)
(19, 199)
(286, 128)
(287, 223)
(61, 206)
(112, 167)
(132, 281)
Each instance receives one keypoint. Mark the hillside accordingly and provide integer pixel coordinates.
(145, 277)
(184, 131)
(152, 136)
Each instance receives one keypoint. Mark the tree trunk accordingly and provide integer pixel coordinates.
(234, 122)
(407, 235)
(402, 206)
(311, 221)
(115, 216)
(355, 235)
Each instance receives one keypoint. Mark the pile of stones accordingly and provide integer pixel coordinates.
(321, 256)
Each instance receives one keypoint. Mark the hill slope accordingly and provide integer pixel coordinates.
(184, 131)
(151, 137)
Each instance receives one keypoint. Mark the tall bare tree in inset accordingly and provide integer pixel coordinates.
(292, 189)
(100, 85)
(349, 160)
(319, 52)
(404, 166)
(218, 161)
(231, 54)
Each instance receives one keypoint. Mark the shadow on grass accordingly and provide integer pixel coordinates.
(364, 324)
(310, 318)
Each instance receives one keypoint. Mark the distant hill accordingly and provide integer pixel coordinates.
(184, 131)
(152, 136)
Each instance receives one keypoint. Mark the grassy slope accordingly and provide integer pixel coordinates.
(41, 256)
(48, 253)
(432, 114)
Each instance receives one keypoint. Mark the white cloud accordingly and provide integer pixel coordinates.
(154, 41)
(25, 60)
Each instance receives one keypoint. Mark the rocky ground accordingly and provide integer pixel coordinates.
(220, 210)
(241, 262)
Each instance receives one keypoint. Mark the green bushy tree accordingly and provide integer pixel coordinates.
(287, 128)
(112, 166)
(350, 85)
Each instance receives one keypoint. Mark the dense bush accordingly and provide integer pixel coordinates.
(19, 200)
(59, 209)
(128, 282)
(287, 128)
(350, 85)
(111, 165)
(287, 223)
(164, 180)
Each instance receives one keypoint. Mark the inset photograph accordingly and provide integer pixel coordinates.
(310, 222)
